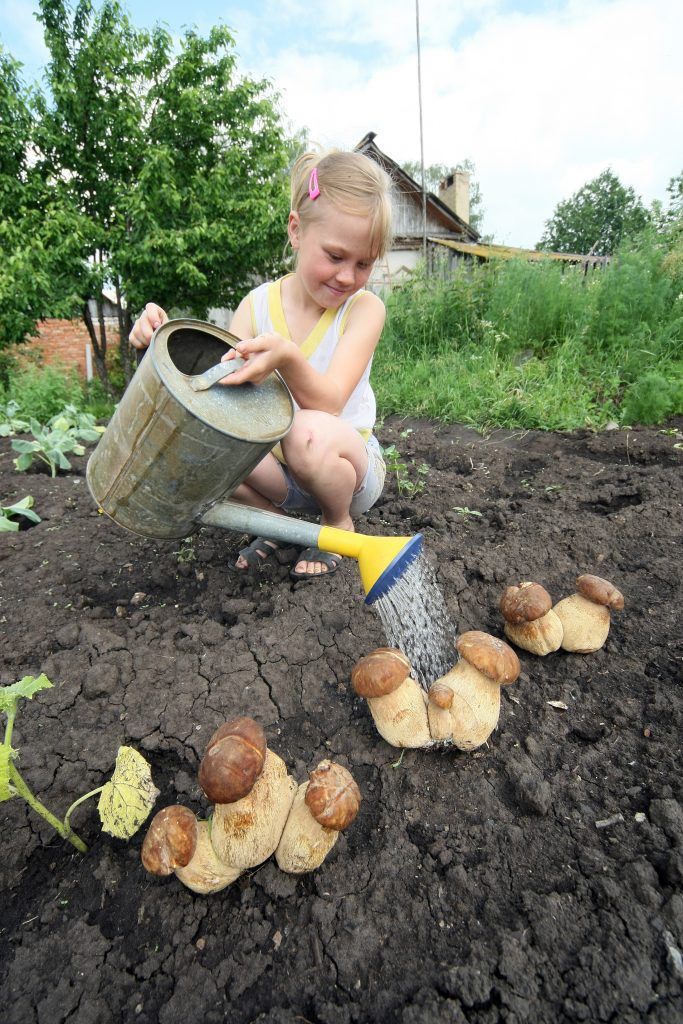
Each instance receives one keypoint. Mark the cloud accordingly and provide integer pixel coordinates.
(540, 102)
(542, 95)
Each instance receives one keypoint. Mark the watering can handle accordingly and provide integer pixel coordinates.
(215, 373)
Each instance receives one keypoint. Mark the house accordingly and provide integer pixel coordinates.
(66, 343)
(447, 216)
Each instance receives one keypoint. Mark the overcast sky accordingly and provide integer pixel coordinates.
(542, 95)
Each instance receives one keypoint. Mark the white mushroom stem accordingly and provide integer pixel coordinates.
(440, 723)
(475, 709)
(305, 843)
(246, 833)
(585, 624)
(540, 636)
(205, 873)
(401, 716)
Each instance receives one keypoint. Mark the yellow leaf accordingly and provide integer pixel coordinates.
(128, 797)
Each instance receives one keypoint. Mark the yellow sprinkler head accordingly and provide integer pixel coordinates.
(381, 560)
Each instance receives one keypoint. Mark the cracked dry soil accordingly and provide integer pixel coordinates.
(472, 887)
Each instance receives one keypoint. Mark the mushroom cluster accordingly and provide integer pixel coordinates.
(579, 623)
(259, 810)
(462, 707)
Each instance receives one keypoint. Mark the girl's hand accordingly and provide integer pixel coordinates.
(152, 316)
(263, 354)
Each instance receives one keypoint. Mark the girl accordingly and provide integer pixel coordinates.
(319, 328)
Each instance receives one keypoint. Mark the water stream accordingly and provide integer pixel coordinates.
(416, 621)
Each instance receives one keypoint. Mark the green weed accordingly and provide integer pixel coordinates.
(537, 345)
(406, 483)
(463, 511)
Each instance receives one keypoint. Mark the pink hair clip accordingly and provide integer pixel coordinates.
(313, 186)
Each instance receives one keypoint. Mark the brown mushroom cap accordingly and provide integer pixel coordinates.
(332, 796)
(233, 760)
(489, 655)
(525, 602)
(171, 840)
(441, 695)
(380, 672)
(601, 591)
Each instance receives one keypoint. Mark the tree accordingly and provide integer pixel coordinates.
(175, 165)
(595, 219)
(435, 173)
(38, 237)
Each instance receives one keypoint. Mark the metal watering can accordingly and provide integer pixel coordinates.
(178, 446)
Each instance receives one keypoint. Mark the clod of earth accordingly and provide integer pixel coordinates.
(469, 715)
(397, 703)
(585, 616)
(301, 823)
(322, 808)
(530, 622)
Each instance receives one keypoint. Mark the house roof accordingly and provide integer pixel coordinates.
(435, 206)
(509, 252)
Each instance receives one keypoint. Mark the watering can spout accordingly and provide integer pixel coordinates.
(381, 560)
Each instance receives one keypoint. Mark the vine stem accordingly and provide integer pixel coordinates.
(81, 799)
(9, 726)
(62, 828)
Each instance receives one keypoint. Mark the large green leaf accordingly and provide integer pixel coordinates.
(25, 688)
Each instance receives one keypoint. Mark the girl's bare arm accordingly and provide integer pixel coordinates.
(329, 391)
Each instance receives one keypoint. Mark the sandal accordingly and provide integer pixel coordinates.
(256, 553)
(316, 555)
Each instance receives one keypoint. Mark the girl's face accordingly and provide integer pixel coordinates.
(334, 253)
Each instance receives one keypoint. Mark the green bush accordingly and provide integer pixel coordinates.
(651, 399)
(524, 345)
(42, 392)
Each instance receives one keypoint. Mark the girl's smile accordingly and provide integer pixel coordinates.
(334, 257)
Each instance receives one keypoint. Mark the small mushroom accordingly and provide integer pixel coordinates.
(205, 873)
(397, 703)
(440, 700)
(322, 807)
(585, 616)
(171, 840)
(233, 760)
(530, 622)
(486, 663)
(247, 832)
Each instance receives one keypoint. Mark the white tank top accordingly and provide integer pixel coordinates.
(267, 316)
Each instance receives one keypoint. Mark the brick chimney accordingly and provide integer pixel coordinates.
(454, 191)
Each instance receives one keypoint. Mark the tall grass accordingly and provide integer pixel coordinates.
(537, 345)
(42, 392)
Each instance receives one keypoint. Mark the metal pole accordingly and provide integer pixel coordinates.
(422, 154)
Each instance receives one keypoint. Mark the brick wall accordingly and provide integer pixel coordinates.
(65, 342)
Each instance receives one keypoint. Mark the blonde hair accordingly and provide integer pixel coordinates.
(353, 183)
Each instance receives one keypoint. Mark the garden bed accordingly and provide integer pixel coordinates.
(536, 879)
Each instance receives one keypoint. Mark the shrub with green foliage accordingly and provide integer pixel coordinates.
(652, 399)
(41, 393)
(537, 345)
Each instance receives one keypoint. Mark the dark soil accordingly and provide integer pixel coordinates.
(539, 878)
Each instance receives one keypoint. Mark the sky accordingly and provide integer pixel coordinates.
(541, 95)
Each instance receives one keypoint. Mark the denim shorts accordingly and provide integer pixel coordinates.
(299, 500)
